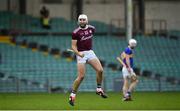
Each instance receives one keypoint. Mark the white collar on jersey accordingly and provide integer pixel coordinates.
(84, 28)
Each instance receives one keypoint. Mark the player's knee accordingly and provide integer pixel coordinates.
(100, 71)
(136, 80)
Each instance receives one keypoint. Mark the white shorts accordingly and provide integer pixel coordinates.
(126, 73)
(88, 55)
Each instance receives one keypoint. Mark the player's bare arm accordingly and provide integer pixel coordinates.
(120, 60)
(128, 62)
(74, 48)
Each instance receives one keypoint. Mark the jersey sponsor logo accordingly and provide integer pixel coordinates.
(85, 38)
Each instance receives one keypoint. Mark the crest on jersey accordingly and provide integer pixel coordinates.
(90, 31)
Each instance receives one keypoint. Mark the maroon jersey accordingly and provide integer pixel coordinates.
(84, 37)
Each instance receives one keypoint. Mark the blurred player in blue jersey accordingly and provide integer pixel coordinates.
(130, 78)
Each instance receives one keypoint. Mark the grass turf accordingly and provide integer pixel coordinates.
(90, 101)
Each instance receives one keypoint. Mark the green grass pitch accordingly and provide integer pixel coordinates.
(90, 101)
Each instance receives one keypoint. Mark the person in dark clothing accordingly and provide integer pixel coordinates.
(44, 12)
